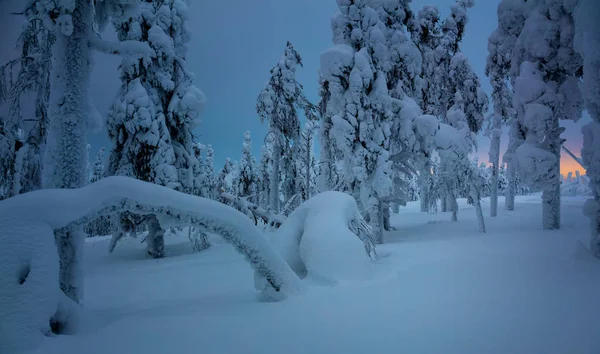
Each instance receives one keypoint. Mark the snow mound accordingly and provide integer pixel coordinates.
(29, 290)
(323, 240)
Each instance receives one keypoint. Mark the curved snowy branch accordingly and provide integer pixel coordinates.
(59, 208)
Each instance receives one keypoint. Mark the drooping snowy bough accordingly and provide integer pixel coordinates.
(29, 286)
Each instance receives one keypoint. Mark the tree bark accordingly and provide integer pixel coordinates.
(275, 176)
(509, 200)
(65, 155)
(495, 160)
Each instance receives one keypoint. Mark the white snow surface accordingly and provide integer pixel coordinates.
(439, 287)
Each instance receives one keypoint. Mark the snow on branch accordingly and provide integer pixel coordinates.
(113, 195)
(124, 48)
(256, 211)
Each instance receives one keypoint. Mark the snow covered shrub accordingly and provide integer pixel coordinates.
(326, 239)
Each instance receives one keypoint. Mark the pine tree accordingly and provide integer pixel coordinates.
(264, 178)
(98, 168)
(209, 183)
(225, 178)
(152, 118)
(360, 107)
(21, 167)
(246, 179)
(278, 103)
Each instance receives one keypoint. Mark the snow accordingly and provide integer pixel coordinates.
(317, 240)
(28, 221)
(440, 287)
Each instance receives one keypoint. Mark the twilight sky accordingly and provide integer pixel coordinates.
(234, 45)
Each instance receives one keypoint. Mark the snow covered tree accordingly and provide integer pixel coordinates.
(209, 187)
(152, 119)
(246, 178)
(305, 162)
(500, 46)
(21, 167)
(226, 177)
(587, 43)
(278, 103)
(65, 155)
(545, 70)
(359, 105)
(97, 172)
(426, 33)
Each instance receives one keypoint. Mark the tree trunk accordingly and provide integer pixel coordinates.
(478, 210)
(155, 241)
(495, 160)
(551, 208)
(423, 181)
(65, 157)
(386, 217)
(70, 242)
(308, 160)
(376, 221)
(509, 200)
(275, 177)
(443, 203)
(453, 206)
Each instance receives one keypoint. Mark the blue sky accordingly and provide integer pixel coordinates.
(234, 45)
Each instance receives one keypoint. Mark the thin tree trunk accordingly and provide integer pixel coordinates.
(453, 204)
(443, 203)
(275, 177)
(376, 221)
(495, 160)
(386, 216)
(478, 210)
(423, 181)
(509, 200)
(308, 160)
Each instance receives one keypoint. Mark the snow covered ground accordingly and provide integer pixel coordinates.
(439, 287)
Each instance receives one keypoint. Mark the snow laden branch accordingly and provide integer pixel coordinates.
(123, 48)
(242, 204)
(29, 261)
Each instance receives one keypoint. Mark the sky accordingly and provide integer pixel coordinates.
(236, 42)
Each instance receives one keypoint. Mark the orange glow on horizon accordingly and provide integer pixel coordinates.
(567, 164)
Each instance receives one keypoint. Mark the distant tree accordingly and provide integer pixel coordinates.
(264, 178)
(278, 103)
(247, 186)
(98, 168)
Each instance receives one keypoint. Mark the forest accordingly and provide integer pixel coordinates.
(377, 182)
